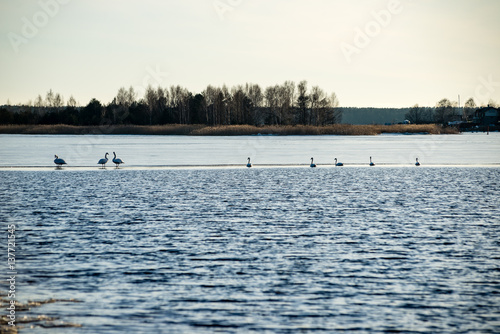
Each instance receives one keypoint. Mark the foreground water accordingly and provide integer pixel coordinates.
(261, 250)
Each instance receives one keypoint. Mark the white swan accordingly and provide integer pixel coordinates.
(371, 163)
(117, 161)
(248, 163)
(58, 161)
(339, 164)
(312, 163)
(104, 160)
(417, 163)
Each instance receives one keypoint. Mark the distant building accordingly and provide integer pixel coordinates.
(486, 116)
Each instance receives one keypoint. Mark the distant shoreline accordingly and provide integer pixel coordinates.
(227, 130)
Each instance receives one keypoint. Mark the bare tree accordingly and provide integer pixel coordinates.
(175, 102)
(334, 114)
(219, 107)
(281, 104)
(237, 104)
(414, 115)
(179, 102)
(226, 111)
(49, 99)
(131, 96)
(150, 98)
(319, 102)
(58, 101)
(445, 111)
(254, 93)
(161, 103)
(122, 97)
(39, 101)
(211, 94)
(256, 96)
(492, 103)
(123, 100)
(469, 108)
(71, 102)
(271, 97)
(286, 99)
(290, 91)
(302, 101)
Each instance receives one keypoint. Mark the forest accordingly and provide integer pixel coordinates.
(248, 104)
(286, 104)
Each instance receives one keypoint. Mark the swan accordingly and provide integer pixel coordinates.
(371, 163)
(104, 160)
(58, 161)
(248, 163)
(417, 163)
(312, 163)
(117, 161)
(338, 163)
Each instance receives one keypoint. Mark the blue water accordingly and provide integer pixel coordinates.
(261, 250)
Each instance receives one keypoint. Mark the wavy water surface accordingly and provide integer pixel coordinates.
(358, 250)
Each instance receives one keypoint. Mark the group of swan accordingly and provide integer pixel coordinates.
(117, 161)
(339, 164)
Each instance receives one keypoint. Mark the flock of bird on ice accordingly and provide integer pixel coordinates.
(117, 161)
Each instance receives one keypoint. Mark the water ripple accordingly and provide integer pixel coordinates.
(259, 251)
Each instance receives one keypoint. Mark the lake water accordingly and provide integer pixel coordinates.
(259, 250)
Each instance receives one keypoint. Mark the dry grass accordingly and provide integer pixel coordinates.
(41, 129)
(64, 129)
(336, 129)
(227, 130)
(171, 129)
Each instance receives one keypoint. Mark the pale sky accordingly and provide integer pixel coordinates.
(371, 53)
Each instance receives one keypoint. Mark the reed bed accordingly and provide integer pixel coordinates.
(229, 130)
(65, 129)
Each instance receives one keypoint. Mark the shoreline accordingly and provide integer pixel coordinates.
(227, 130)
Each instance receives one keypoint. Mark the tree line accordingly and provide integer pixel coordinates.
(285, 104)
(444, 112)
